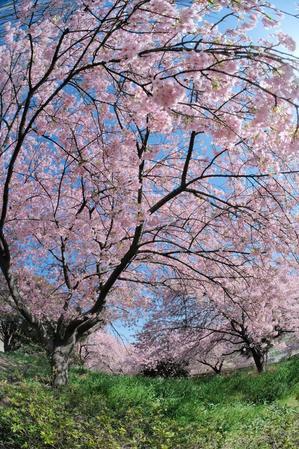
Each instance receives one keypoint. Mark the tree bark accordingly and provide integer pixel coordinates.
(8, 344)
(9, 331)
(217, 369)
(60, 364)
(258, 360)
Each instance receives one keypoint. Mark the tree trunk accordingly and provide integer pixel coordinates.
(217, 368)
(8, 343)
(60, 364)
(10, 335)
(258, 358)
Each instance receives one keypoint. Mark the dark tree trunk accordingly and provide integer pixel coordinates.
(60, 363)
(9, 331)
(217, 368)
(259, 360)
(8, 343)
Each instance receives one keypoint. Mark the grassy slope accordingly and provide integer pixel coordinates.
(99, 411)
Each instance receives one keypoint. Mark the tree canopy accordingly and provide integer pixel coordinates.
(145, 144)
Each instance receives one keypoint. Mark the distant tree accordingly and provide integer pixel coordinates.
(212, 352)
(103, 351)
(166, 368)
(258, 311)
(259, 314)
(161, 353)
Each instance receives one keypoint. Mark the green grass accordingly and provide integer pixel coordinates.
(98, 411)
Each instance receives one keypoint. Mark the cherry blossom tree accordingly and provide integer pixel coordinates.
(249, 319)
(178, 335)
(161, 353)
(212, 352)
(141, 141)
(177, 349)
(103, 351)
(261, 313)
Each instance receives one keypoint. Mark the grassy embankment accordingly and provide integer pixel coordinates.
(98, 411)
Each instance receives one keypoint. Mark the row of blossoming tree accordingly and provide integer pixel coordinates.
(185, 329)
(145, 144)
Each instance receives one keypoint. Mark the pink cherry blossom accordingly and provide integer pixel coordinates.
(137, 156)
